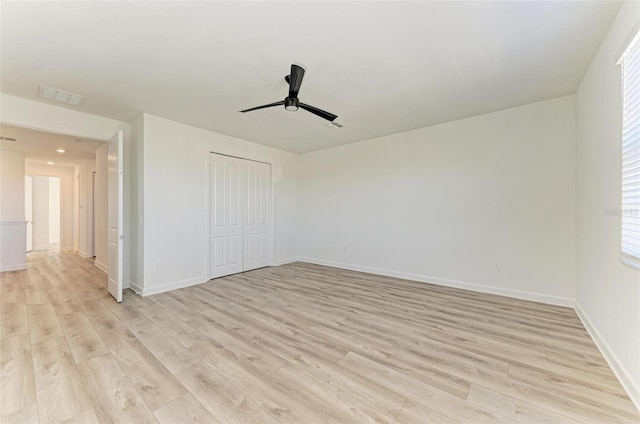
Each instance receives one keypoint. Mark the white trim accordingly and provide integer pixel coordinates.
(518, 294)
(174, 286)
(81, 254)
(136, 288)
(66, 249)
(629, 260)
(43, 247)
(631, 37)
(102, 267)
(624, 376)
(7, 268)
(285, 261)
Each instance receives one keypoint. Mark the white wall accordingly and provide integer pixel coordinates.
(442, 203)
(54, 210)
(608, 292)
(28, 210)
(76, 209)
(101, 199)
(46, 117)
(65, 174)
(11, 186)
(137, 203)
(85, 207)
(12, 220)
(40, 187)
(176, 161)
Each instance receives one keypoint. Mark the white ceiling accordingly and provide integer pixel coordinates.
(382, 67)
(40, 146)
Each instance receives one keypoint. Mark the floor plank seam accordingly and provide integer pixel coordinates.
(401, 408)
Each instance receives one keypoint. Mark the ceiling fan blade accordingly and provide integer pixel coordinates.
(295, 80)
(319, 112)
(280, 103)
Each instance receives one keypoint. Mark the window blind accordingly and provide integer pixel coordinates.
(630, 208)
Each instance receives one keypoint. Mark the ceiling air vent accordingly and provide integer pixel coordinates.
(9, 139)
(61, 96)
(334, 124)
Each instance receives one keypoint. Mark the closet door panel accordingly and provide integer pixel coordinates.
(226, 216)
(257, 227)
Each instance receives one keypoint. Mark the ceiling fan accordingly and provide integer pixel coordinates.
(291, 102)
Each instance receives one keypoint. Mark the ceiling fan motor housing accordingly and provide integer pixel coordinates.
(291, 104)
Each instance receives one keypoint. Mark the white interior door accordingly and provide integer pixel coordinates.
(28, 210)
(226, 216)
(257, 225)
(116, 214)
(241, 230)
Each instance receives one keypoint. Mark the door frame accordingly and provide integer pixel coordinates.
(60, 202)
(80, 133)
(208, 211)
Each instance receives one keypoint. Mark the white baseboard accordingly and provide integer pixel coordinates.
(102, 267)
(83, 254)
(135, 287)
(279, 262)
(518, 294)
(17, 267)
(174, 286)
(631, 386)
(66, 249)
(43, 247)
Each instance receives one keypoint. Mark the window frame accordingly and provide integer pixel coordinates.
(630, 154)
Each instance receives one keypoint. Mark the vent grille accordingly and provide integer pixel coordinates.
(61, 96)
(9, 139)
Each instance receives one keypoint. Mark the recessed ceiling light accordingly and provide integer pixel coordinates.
(49, 163)
(60, 150)
(61, 96)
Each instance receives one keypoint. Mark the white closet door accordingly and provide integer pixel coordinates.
(257, 222)
(226, 216)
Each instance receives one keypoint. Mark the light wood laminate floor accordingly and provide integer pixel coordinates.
(297, 343)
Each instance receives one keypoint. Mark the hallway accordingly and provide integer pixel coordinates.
(40, 306)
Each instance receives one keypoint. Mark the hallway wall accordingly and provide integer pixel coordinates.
(40, 189)
(12, 222)
(54, 210)
(85, 208)
(101, 197)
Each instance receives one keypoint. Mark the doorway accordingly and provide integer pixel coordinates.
(241, 226)
(42, 210)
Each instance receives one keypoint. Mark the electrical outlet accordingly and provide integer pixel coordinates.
(496, 265)
(156, 265)
(347, 249)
